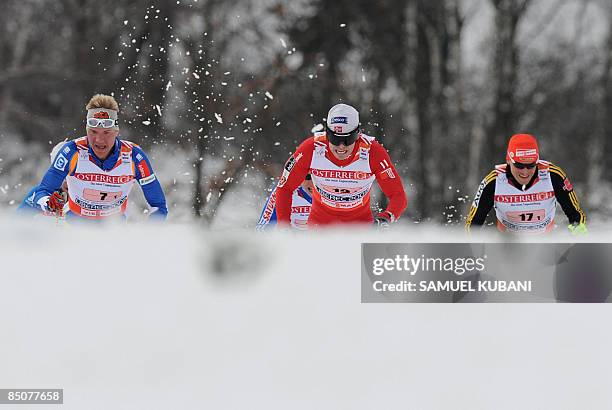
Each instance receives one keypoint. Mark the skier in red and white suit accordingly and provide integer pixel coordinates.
(343, 163)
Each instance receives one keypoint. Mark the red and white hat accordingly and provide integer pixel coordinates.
(523, 148)
(342, 119)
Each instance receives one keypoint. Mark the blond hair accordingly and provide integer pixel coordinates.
(102, 101)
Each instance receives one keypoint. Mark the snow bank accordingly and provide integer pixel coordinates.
(172, 317)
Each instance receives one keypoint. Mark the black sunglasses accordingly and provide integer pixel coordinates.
(346, 139)
(525, 166)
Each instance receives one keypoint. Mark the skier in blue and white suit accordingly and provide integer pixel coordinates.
(100, 170)
(301, 202)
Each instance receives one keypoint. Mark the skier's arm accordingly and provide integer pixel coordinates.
(388, 179)
(151, 188)
(566, 196)
(294, 173)
(56, 174)
(28, 205)
(483, 201)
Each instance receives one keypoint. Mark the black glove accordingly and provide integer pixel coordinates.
(384, 219)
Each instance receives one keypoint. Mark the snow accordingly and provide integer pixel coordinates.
(190, 319)
(200, 314)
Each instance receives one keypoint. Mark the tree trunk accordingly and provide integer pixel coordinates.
(508, 14)
(156, 78)
(423, 95)
(599, 146)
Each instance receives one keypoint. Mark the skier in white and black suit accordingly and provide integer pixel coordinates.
(524, 192)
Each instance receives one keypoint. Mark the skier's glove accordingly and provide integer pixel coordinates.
(578, 229)
(383, 219)
(56, 202)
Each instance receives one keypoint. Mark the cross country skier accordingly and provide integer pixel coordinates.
(301, 201)
(100, 170)
(343, 163)
(524, 192)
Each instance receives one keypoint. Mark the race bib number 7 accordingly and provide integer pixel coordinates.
(100, 196)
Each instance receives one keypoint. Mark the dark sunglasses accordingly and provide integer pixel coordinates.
(525, 166)
(346, 139)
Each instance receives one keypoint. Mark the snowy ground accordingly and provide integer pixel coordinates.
(171, 317)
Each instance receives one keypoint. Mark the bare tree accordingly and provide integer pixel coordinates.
(505, 71)
(600, 144)
(435, 102)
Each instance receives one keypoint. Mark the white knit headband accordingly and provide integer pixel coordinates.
(112, 114)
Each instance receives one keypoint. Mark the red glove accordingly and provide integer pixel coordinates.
(56, 202)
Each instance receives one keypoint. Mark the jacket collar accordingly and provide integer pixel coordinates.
(516, 184)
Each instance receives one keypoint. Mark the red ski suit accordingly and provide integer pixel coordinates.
(341, 187)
